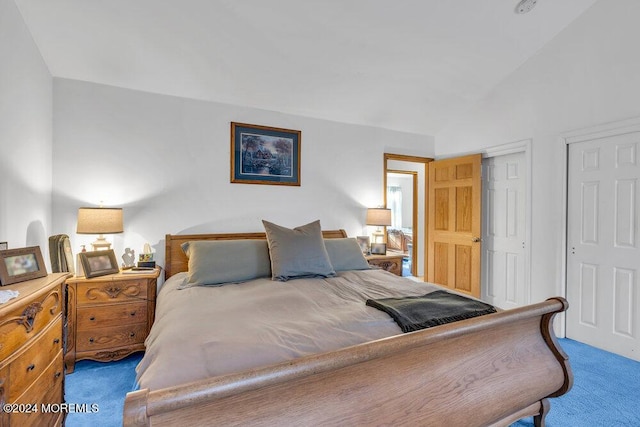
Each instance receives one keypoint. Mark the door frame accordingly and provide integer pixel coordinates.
(522, 146)
(605, 130)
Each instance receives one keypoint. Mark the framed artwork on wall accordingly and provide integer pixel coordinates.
(19, 265)
(99, 263)
(264, 155)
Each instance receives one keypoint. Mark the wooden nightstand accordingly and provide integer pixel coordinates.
(390, 263)
(109, 317)
(31, 364)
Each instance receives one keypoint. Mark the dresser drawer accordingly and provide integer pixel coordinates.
(111, 291)
(109, 338)
(46, 390)
(32, 363)
(101, 316)
(28, 318)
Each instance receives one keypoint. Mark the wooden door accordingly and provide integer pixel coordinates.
(454, 223)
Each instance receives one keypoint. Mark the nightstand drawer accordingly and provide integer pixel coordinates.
(111, 291)
(108, 338)
(30, 365)
(102, 316)
(29, 318)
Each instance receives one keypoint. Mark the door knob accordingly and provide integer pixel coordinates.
(476, 240)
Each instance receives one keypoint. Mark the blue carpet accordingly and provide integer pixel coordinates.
(104, 384)
(605, 393)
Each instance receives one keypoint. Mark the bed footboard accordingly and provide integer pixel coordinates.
(487, 371)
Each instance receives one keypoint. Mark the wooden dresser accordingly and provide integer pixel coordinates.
(31, 359)
(109, 317)
(390, 262)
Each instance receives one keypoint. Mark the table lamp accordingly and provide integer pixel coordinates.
(100, 221)
(380, 217)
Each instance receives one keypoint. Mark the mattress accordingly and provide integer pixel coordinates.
(206, 331)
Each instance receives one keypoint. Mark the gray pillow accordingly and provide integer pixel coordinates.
(216, 262)
(298, 252)
(345, 254)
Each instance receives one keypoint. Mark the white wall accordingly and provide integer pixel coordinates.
(588, 75)
(25, 136)
(165, 160)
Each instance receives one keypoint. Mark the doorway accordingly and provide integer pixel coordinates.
(412, 168)
(402, 200)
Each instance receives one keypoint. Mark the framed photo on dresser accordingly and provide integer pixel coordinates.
(19, 265)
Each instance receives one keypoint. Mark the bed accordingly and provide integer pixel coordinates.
(488, 370)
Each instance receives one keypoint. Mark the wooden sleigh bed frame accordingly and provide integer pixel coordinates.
(491, 370)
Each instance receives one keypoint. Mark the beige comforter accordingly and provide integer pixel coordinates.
(203, 332)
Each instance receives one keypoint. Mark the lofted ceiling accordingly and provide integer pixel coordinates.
(407, 65)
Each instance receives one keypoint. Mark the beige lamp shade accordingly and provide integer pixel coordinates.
(100, 221)
(379, 217)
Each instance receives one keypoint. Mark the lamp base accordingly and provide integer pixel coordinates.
(101, 244)
(377, 236)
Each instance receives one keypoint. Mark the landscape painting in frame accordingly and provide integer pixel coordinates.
(264, 155)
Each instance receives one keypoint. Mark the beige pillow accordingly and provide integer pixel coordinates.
(298, 252)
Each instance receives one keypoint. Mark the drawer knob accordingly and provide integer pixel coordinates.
(57, 375)
(90, 339)
(132, 334)
(92, 318)
(31, 367)
(133, 313)
(56, 340)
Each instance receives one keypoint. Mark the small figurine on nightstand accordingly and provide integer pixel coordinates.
(129, 257)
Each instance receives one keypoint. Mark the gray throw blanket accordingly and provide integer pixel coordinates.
(433, 309)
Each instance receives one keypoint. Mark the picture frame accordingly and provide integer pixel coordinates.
(99, 263)
(364, 243)
(378, 249)
(265, 155)
(22, 264)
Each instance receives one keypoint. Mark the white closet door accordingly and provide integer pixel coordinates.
(603, 256)
(503, 231)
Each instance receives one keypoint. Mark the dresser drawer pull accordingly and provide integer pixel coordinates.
(31, 367)
(57, 375)
(132, 334)
(92, 318)
(56, 340)
(133, 313)
(91, 340)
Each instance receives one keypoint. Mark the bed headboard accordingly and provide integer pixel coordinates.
(176, 261)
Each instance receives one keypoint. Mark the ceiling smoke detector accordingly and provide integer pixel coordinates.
(525, 6)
